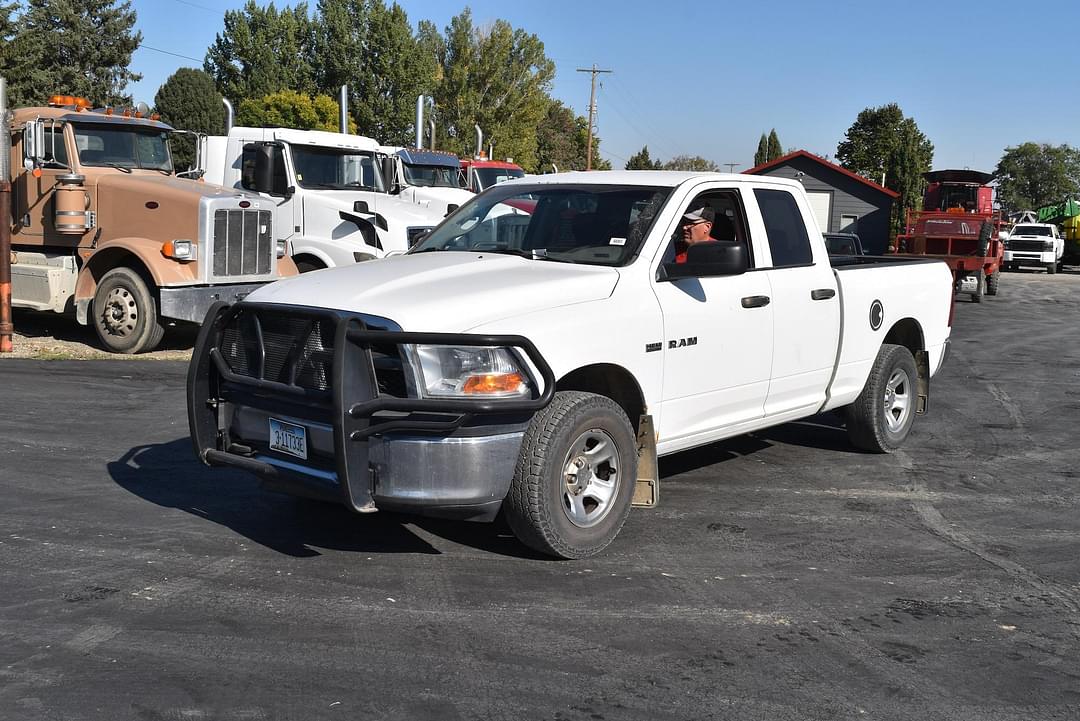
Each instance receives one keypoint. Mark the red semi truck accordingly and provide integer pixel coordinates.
(958, 225)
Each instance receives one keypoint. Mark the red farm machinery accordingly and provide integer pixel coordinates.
(958, 225)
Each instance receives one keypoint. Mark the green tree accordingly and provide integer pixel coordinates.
(562, 140)
(496, 77)
(884, 146)
(642, 161)
(289, 109)
(694, 163)
(372, 48)
(775, 149)
(188, 100)
(71, 47)
(263, 50)
(1031, 175)
(762, 155)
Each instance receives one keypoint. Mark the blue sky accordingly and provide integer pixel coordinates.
(707, 77)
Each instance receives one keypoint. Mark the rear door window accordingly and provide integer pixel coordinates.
(788, 240)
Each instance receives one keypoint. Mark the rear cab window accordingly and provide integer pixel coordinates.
(789, 242)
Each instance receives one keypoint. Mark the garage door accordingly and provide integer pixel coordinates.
(821, 203)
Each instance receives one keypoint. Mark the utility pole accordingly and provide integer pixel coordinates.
(731, 166)
(592, 109)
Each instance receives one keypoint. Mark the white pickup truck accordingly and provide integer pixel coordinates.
(1034, 244)
(541, 348)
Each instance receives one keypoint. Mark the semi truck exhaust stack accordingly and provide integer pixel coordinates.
(228, 115)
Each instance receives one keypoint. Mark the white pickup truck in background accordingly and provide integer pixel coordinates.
(1034, 244)
(331, 203)
(541, 348)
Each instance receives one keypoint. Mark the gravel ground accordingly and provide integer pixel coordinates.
(50, 336)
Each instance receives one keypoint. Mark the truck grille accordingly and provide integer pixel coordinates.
(243, 242)
(298, 350)
(1031, 246)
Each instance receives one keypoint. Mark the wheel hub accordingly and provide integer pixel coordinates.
(578, 476)
(120, 312)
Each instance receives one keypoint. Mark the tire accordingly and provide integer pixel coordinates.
(1051, 268)
(986, 232)
(992, 282)
(980, 288)
(125, 313)
(552, 507)
(306, 266)
(880, 418)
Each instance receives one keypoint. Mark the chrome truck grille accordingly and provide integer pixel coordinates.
(297, 349)
(243, 242)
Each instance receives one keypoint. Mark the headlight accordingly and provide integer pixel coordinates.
(469, 371)
(182, 250)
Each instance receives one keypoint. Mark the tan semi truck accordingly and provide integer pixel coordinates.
(104, 228)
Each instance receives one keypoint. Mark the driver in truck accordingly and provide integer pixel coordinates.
(696, 226)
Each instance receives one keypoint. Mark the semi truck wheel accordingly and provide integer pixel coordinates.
(992, 281)
(880, 418)
(575, 476)
(125, 313)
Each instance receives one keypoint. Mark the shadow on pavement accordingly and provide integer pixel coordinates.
(168, 475)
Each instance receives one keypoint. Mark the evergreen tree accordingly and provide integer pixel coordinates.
(263, 50)
(188, 100)
(642, 161)
(289, 109)
(762, 155)
(70, 47)
(775, 150)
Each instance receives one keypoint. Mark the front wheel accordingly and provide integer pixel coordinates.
(880, 418)
(125, 313)
(575, 476)
(992, 282)
(980, 287)
(1051, 268)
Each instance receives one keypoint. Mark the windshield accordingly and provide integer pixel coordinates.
(102, 145)
(1030, 230)
(488, 177)
(431, 176)
(336, 168)
(591, 224)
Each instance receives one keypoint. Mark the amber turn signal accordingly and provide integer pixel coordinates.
(493, 383)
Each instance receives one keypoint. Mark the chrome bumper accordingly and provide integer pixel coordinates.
(191, 303)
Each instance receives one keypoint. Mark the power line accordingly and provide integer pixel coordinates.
(144, 46)
(635, 103)
(643, 135)
(216, 11)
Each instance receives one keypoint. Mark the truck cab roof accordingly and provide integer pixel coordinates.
(320, 138)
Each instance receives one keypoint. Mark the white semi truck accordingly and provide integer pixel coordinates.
(426, 177)
(541, 348)
(331, 203)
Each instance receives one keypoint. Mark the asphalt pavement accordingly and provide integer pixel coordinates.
(784, 575)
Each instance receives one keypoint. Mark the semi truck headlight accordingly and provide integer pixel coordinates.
(179, 250)
(469, 371)
(282, 247)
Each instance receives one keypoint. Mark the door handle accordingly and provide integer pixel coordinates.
(755, 301)
(822, 294)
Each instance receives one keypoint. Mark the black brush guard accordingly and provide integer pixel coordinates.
(350, 405)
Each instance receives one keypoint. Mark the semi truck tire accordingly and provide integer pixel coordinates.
(125, 313)
(992, 282)
(575, 476)
(880, 418)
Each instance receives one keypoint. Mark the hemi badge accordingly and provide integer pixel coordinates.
(650, 347)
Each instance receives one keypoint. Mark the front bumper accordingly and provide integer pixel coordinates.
(191, 303)
(366, 449)
(1020, 257)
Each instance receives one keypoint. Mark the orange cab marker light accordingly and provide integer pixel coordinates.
(167, 249)
(493, 383)
(36, 172)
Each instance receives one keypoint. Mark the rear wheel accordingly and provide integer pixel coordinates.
(575, 476)
(880, 418)
(992, 281)
(125, 313)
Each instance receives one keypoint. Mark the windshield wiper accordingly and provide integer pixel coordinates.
(125, 168)
(355, 184)
(537, 254)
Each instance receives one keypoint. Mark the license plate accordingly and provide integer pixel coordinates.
(288, 438)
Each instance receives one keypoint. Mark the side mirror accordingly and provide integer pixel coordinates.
(264, 168)
(34, 140)
(389, 173)
(709, 259)
(451, 207)
(360, 206)
(290, 192)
